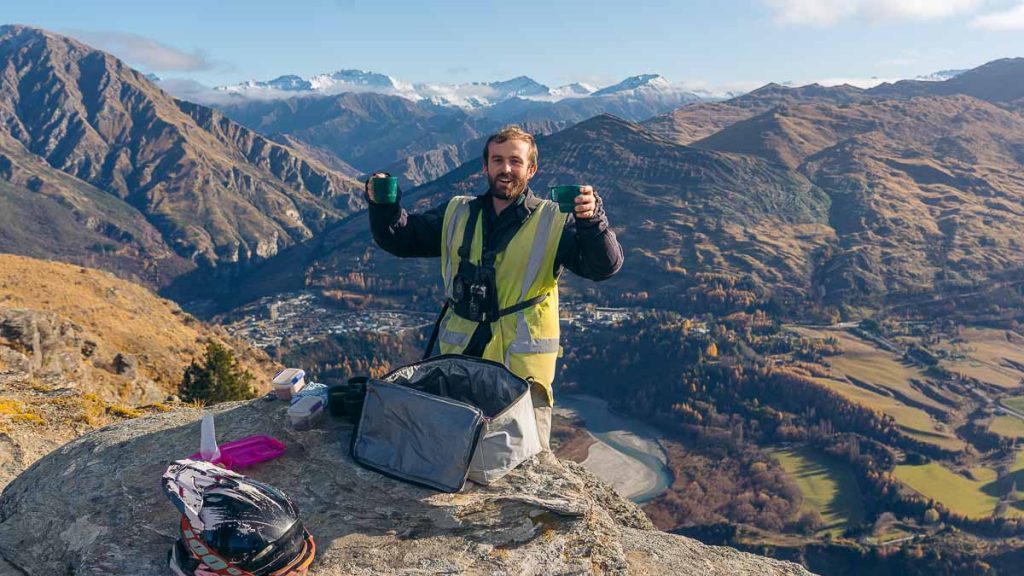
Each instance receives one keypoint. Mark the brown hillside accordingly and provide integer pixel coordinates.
(114, 318)
(926, 192)
(690, 123)
(80, 348)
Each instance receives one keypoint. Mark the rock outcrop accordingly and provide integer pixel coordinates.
(95, 506)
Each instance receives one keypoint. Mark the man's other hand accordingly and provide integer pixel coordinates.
(586, 203)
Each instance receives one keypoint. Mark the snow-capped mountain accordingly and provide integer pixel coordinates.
(653, 82)
(361, 81)
(574, 90)
(940, 76)
(521, 86)
(471, 95)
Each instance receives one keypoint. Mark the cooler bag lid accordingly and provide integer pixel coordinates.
(416, 436)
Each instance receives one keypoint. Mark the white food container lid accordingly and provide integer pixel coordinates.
(289, 377)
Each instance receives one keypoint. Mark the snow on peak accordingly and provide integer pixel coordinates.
(643, 81)
(469, 95)
(522, 86)
(940, 76)
(574, 90)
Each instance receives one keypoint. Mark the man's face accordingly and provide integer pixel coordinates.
(508, 168)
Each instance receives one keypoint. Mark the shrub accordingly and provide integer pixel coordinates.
(217, 379)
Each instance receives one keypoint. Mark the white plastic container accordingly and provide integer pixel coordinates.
(305, 413)
(288, 382)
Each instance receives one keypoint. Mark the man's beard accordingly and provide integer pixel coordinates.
(512, 189)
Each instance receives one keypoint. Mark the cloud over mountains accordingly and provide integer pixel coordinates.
(144, 52)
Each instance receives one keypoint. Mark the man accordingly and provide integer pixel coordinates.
(501, 255)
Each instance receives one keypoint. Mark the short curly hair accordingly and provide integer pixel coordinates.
(512, 132)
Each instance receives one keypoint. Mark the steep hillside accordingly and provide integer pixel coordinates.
(927, 193)
(690, 123)
(214, 191)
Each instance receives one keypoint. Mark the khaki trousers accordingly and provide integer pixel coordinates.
(542, 412)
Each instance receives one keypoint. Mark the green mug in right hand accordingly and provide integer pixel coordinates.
(566, 197)
(384, 190)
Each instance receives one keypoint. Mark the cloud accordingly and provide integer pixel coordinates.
(144, 52)
(192, 91)
(1012, 19)
(830, 12)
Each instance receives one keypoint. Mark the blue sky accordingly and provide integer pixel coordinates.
(705, 43)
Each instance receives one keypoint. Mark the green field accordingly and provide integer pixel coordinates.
(974, 498)
(827, 485)
(1017, 403)
(953, 490)
(1008, 426)
(1015, 475)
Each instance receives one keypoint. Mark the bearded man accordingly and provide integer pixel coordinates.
(502, 253)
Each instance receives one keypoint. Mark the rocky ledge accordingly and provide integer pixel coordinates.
(95, 506)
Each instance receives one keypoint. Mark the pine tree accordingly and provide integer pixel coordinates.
(217, 379)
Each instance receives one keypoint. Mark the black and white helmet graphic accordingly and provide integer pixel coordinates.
(232, 525)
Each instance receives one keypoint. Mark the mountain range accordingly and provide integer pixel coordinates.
(470, 95)
(828, 194)
(99, 166)
(1000, 82)
(419, 140)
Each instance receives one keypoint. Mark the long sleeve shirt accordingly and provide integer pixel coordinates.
(588, 247)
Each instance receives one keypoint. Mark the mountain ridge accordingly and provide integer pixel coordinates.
(216, 192)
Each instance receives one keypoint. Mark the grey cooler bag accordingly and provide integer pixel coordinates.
(440, 420)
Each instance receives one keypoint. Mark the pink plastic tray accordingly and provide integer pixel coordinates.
(245, 452)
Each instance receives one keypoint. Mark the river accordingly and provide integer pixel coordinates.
(627, 455)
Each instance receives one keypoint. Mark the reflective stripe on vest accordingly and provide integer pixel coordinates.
(460, 209)
(523, 344)
(451, 337)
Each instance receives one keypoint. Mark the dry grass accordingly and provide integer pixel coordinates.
(15, 411)
(863, 361)
(914, 422)
(1008, 426)
(986, 349)
(120, 317)
(860, 361)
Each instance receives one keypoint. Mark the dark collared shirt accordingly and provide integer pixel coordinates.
(588, 247)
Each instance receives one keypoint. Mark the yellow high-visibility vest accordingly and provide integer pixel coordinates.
(526, 341)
